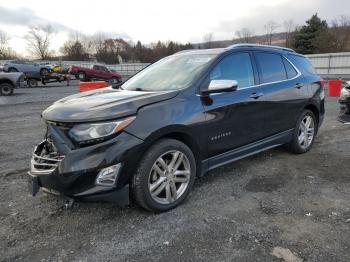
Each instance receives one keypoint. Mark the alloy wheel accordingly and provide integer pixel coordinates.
(169, 177)
(306, 132)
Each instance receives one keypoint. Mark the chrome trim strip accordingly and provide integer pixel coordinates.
(269, 83)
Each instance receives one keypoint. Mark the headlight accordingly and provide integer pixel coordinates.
(98, 131)
(344, 93)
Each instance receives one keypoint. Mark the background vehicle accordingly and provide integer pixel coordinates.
(344, 99)
(175, 120)
(10, 81)
(27, 67)
(95, 72)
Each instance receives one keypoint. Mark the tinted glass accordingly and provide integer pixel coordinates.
(291, 72)
(271, 66)
(235, 67)
(303, 64)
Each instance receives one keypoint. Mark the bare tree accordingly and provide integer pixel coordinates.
(270, 28)
(246, 35)
(341, 33)
(38, 41)
(208, 40)
(4, 38)
(289, 28)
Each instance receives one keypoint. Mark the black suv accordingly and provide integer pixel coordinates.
(176, 120)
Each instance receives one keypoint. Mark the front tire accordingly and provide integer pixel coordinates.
(304, 133)
(6, 89)
(164, 176)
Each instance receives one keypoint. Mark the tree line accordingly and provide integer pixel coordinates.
(315, 36)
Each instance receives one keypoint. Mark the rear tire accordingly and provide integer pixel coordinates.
(44, 72)
(81, 76)
(164, 176)
(6, 89)
(32, 83)
(304, 133)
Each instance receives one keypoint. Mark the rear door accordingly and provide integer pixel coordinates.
(284, 91)
(233, 118)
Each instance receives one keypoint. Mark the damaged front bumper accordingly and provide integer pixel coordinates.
(344, 100)
(75, 173)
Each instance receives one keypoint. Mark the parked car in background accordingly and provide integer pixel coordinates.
(174, 121)
(27, 67)
(95, 72)
(344, 99)
(10, 81)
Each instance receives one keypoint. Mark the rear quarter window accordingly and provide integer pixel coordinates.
(291, 72)
(303, 64)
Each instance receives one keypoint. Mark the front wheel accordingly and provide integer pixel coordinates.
(6, 89)
(304, 133)
(164, 176)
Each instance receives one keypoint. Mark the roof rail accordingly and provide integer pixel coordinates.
(264, 46)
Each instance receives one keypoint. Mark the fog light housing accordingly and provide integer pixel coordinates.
(108, 176)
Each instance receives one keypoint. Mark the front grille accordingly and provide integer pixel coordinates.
(45, 158)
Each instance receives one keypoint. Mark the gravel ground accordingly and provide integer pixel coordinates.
(239, 212)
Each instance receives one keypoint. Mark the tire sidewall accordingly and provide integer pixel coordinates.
(83, 78)
(295, 141)
(3, 86)
(44, 70)
(144, 171)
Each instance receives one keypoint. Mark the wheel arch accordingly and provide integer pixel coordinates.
(178, 133)
(7, 81)
(314, 109)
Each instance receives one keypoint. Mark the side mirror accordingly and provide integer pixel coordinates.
(218, 86)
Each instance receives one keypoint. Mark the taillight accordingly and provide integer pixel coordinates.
(322, 82)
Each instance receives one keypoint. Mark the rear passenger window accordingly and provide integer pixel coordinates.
(291, 72)
(235, 67)
(271, 67)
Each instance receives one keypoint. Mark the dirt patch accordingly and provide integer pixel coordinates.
(265, 184)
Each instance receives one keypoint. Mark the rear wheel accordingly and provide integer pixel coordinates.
(32, 83)
(81, 76)
(164, 176)
(44, 72)
(6, 89)
(304, 133)
(12, 70)
(115, 80)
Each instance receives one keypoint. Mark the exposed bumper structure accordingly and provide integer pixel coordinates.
(83, 173)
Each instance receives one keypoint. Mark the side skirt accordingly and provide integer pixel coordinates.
(247, 150)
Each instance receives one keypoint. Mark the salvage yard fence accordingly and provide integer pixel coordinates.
(330, 65)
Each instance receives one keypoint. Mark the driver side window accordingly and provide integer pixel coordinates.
(235, 67)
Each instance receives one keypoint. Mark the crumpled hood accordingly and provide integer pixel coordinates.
(102, 104)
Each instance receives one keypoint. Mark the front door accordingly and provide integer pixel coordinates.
(233, 118)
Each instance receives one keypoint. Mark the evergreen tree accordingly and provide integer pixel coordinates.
(311, 38)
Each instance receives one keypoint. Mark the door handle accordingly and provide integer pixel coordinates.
(299, 85)
(256, 95)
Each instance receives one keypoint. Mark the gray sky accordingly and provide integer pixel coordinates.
(152, 20)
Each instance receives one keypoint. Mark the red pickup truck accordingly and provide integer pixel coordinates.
(95, 72)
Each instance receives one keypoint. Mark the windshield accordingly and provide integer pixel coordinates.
(170, 73)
